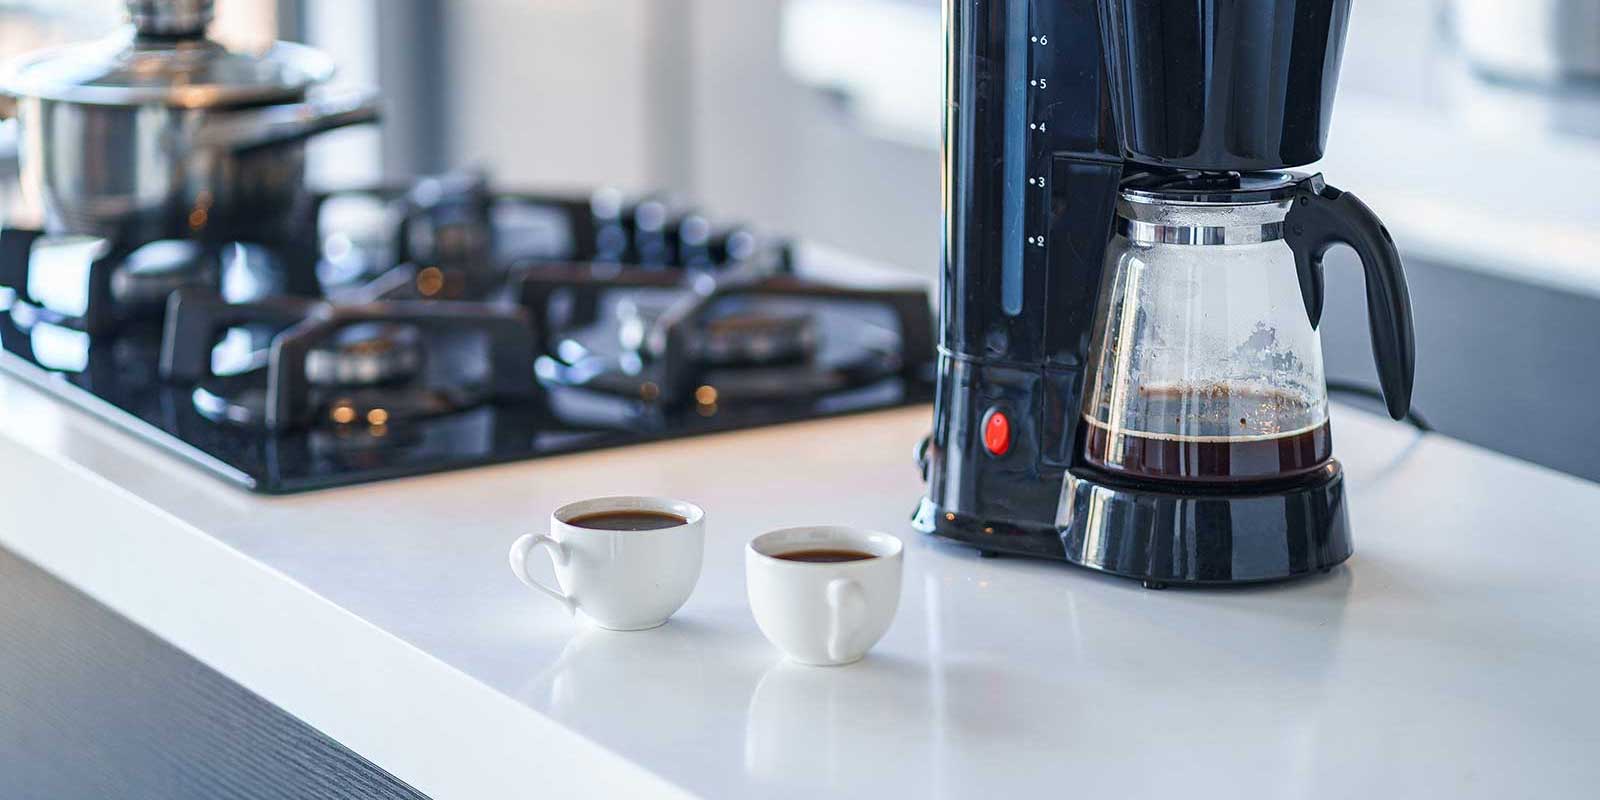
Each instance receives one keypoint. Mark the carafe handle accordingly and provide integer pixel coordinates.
(1322, 217)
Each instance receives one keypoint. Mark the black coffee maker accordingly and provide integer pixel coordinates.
(1130, 377)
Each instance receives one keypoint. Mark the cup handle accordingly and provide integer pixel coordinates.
(849, 604)
(558, 557)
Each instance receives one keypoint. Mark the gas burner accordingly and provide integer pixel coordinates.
(754, 338)
(376, 408)
(731, 337)
(449, 237)
(747, 337)
(446, 234)
(367, 354)
(145, 278)
(97, 285)
(719, 387)
(456, 237)
(350, 365)
(242, 400)
(359, 375)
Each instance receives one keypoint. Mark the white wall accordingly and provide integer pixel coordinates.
(349, 29)
(550, 91)
(686, 95)
(790, 158)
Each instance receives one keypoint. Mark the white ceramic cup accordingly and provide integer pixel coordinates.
(824, 614)
(621, 580)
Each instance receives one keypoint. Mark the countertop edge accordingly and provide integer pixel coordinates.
(151, 567)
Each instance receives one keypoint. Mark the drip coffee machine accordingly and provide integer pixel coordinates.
(1130, 375)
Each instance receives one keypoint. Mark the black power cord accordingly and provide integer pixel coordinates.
(1412, 416)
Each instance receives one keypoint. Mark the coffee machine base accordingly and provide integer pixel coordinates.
(1163, 538)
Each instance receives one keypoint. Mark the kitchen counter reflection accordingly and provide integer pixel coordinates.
(1129, 665)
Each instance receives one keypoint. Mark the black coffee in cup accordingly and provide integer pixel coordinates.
(825, 556)
(627, 520)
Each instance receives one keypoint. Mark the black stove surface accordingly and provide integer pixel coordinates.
(116, 380)
(766, 350)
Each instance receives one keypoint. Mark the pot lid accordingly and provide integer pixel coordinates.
(163, 58)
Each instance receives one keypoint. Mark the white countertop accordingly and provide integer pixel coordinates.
(1457, 654)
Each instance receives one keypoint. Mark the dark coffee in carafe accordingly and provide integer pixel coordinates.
(1213, 433)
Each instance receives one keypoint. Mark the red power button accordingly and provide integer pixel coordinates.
(996, 432)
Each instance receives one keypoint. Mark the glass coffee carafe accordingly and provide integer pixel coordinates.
(1206, 366)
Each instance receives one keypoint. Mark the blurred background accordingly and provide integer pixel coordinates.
(1471, 126)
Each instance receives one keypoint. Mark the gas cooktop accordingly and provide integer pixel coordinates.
(444, 325)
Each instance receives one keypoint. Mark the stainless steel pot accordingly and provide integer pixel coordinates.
(161, 133)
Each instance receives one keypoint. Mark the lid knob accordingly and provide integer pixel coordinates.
(170, 17)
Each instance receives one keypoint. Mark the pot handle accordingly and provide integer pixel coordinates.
(271, 126)
(1322, 217)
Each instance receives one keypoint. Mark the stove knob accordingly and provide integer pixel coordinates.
(650, 217)
(605, 205)
(732, 245)
(692, 237)
(647, 225)
(610, 234)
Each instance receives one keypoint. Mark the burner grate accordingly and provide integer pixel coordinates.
(417, 328)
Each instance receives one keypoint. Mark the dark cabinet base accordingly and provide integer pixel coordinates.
(93, 706)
